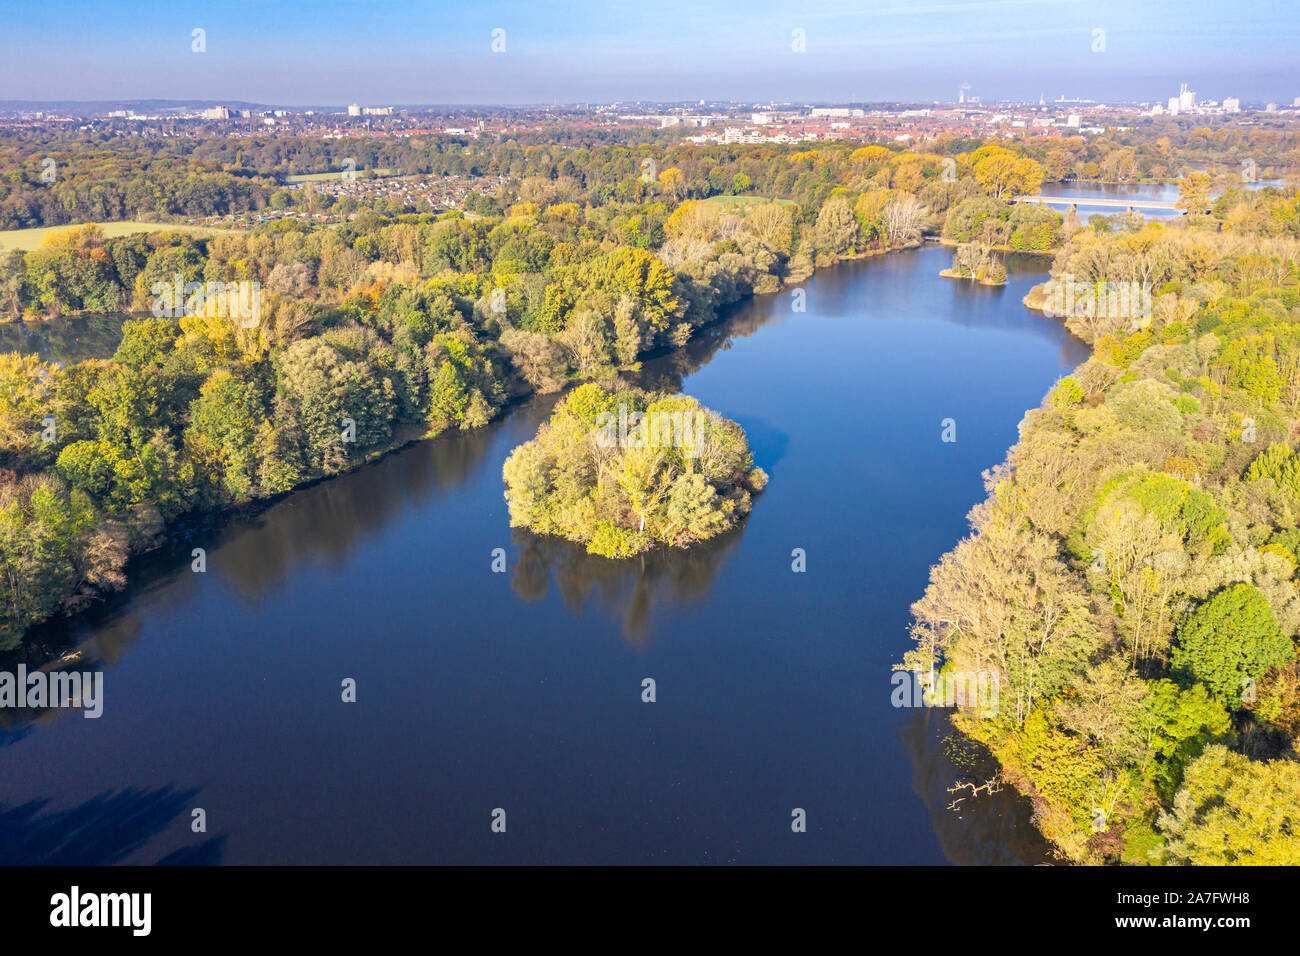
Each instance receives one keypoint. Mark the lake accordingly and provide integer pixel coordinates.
(523, 690)
(1167, 192)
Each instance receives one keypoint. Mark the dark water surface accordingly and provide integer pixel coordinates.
(522, 690)
(65, 339)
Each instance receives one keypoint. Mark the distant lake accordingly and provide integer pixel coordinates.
(1084, 192)
(522, 690)
(1160, 193)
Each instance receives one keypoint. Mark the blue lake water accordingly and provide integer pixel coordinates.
(522, 690)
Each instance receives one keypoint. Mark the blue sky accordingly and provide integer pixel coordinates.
(380, 52)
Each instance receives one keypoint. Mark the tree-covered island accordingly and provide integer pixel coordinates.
(628, 470)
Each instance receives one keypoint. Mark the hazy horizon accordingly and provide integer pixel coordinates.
(402, 53)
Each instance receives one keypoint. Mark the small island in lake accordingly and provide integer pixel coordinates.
(628, 470)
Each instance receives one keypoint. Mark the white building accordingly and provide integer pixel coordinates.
(1173, 106)
(354, 110)
(1231, 104)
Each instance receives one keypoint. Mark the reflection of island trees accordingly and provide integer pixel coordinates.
(989, 829)
(106, 829)
(631, 588)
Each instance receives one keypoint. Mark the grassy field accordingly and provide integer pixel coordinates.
(318, 177)
(29, 239)
(745, 203)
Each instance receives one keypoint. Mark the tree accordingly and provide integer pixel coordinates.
(640, 476)
(324, 388)
(1230, 639)
(1234, 811)
(537, 357)
(42, 527)
(1003, 175)
(27, 398)
(624, 471)
(773, 224)
(223, 432)
(1194, 193)
(903, 219)
(836, 232)
(587, 341)
(1177, 724)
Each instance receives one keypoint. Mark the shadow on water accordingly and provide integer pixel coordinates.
(108, 828)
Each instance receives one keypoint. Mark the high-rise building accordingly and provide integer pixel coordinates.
(1186, 98)
(1173, 106)
(1231, 104)
(354, 110)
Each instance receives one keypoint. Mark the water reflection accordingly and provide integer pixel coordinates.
(65, 339)
(630, 589)
(667, 372)
(986, 830)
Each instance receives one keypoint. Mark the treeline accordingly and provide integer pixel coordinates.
(97, 178)
(1131, 580)
(1152, 150)
(47, 185)
(128, 179)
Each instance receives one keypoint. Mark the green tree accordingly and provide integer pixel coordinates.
(836, 232)
(1230, 639)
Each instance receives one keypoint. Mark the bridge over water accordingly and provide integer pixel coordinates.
(1073, 202)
